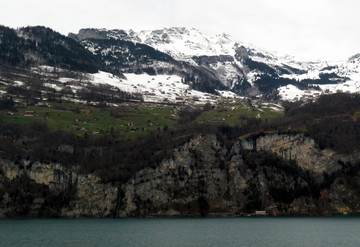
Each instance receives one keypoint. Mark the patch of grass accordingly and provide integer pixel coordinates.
(357, 115)
(3, 87)
(134, 120)
(235, 114)
(131, 121)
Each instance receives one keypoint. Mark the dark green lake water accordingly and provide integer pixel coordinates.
(244, 232)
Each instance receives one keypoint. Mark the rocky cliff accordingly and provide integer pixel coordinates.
(278, 173)
(301, 149)
(38, 189)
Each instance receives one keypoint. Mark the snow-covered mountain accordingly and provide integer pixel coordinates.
(235, 64)
(185, 44)
(43, 64)
(350, 68)
(325, 78)
(204, 63)
(221, 60)
(181, 43)
(230, 59)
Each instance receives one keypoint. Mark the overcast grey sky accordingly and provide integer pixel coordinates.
(309, 29)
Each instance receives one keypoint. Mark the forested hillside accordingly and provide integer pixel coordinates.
(43, 46)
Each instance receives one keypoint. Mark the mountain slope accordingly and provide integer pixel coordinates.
(235, 64)
(121, 54)
(206, 63)
(43, 46)
(240, 67)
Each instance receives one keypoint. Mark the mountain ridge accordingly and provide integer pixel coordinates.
(40, 45)
(240, 67)
(207, 63)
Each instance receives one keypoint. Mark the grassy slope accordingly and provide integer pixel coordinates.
(132, 120)
(235, 114)
(126, 120)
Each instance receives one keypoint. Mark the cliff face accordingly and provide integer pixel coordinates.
(183, 185)
(37, 189)
(203, 177)
(301, 149)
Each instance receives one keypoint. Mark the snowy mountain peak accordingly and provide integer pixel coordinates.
(179, 42)
(354, 59)
(239, 66)
(183, 43)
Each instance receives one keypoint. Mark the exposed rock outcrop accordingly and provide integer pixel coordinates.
(203, 177)
(183, 185)
(77, 195)
(300, 148)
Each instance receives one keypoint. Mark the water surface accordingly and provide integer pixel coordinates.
(244, 232)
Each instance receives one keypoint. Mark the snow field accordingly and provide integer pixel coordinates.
(154, 88)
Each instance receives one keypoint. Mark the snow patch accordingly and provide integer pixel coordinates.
(311, 74)
(290, 93)
(154, 88)
(229, 94)
(19, 83)
(346, 87)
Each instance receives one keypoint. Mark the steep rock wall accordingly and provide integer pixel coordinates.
(77, 195)
(301, 149)
(183, 185)
(203, 177)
